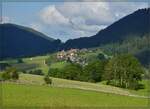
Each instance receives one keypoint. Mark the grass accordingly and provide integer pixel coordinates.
(32, 91)
(39, 60)
(38, 80)
(145, 91)
(15, 95)
(99, 87)
(141, 92)
(59, 65)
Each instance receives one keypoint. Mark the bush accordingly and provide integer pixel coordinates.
(15, 75)
(47, 80)
(101, 56)
(10, 73)
(55, 72)
(36, 72)
(5, 76)
(3, 66)
(20, 61)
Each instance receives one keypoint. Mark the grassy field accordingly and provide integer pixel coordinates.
(59, 65)
(38, 80)
(44, 96)
(39, 60)
(100, 87)
(30, 91)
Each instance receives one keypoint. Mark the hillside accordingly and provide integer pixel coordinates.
(38, 80)
(135, 24)
(67, 93)
(98, 87)
(64, 98)
(19, 41)
(137, 46)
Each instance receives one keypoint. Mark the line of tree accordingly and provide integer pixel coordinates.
(137, 46)
(10, 74)
(122, 71)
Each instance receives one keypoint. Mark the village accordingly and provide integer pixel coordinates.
(72, 55)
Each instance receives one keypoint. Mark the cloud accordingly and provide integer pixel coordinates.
(36, 26)
(50, 15)
(80, 19)
(4, 19)
(96, 13)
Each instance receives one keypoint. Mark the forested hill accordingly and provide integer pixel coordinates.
(19, 41)
(135, 24)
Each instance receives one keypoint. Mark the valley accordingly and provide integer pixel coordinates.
(110, 69)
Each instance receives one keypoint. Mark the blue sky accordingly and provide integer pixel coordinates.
(67, 20)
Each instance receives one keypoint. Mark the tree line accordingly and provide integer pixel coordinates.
(122, 71)
(137, 46)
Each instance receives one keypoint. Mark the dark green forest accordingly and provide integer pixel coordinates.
(137, 46)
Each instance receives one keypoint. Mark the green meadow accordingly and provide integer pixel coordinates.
(30, 91)
(44, 96)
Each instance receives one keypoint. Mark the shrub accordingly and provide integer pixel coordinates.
(5, 76)
(101, 56)
(10, 73)
(55, 72)
(36, 72)
(19, 60)
(47, 80)
(15, 75)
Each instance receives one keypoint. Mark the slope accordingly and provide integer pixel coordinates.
(135, 24)
(19, 41)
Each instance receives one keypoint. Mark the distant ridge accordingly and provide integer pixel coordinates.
(20, 41)
(136, 24)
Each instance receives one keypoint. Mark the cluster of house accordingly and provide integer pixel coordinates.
(71, 55)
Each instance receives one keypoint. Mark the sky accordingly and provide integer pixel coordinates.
(67, 20)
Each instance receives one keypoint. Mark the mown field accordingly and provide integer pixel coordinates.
(30, 91)
(44, 96)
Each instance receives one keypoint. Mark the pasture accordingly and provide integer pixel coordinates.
(15, 95)
(30, 91)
